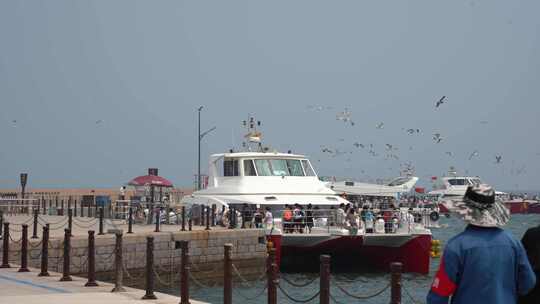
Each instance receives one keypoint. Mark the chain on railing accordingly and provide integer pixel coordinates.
(13, 240)
(361, 297)
(199, 283)
(288, 296)
(250, 298)
(299, 285)
(160, 280)
(90, 224)
(244, 280)
(413, 300)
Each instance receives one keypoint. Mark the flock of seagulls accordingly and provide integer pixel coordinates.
(391, 150)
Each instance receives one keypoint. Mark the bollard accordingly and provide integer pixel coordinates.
(227, 274)
(272, 289)
(130, 220)
(5, 252)
(184, 269)
(91, 260)
(100, 221)
(45, 253)
(395, 289)
(201, 219)
(24, 249)
(67, 248)
(214, 215)
(1, 222)
(75, 208)
(88, 212)
(157, 220)
(44, 202)
(183, 218)
(190, 224)
(207, 218)
(324, 273)
(70, 219)
(34, 228)
(149, 269)
(118, 261)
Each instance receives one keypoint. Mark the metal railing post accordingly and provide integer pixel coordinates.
(1, 222)
(70, 219)
(118, 263)
(274, 282)
(45, 253)
(34, 228)
(227, 274)
(395, 289)
(5, 252)
(67, 248)
(184, 269)
(75, 208)
(157, 220)
(213, 223)
(202, 215)
(207, 218)
(272, 290)
(149, 295)
(130, 220)
(24, 249)
(324, 274)
(101, 214)
(183, 218)
(91, 260)
(190, 224)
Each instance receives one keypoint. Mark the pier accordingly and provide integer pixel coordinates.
(28, 288)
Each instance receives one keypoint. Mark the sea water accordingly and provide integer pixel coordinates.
(359, 283)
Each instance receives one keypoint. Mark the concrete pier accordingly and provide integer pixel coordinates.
(28, 288)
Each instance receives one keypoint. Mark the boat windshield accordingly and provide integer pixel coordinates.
(457, 182)
(474, 181)
(283, 167)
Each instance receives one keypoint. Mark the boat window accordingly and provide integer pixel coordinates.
(263, 167)
(295, 167)
(307, 168)
(279, 167)
(230, 167)
(249, 168)
(475, 181)
(399, 181)
(457, 182)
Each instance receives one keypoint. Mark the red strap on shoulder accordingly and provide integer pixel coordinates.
(442, 285)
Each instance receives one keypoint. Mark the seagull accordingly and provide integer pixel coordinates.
(358, 145)
(437, 137)
(99, 121)
(14, 122)
(389, 147)
(484, 122)
(448, 153)
(380, 125)
(498, 159)
(440, 102)
(475, 153)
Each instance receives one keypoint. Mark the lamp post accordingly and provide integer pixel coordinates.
(201, 135)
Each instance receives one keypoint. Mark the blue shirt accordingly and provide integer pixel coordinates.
(482, 265)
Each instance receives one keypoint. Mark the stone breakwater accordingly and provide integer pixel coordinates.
(205, 252)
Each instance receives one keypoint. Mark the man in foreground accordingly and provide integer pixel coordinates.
(483, 264)
(531, 242)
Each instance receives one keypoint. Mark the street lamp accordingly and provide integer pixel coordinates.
(201, 135)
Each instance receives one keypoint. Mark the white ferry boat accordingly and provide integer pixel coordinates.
(272, 179)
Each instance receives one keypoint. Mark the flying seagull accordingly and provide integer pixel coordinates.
(475, 153)
(380, 125)
(498, 159)
(99, 121)
(440, 102)
(437, 137)
(448, 153)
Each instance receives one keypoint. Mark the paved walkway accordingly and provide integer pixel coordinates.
(28, 288)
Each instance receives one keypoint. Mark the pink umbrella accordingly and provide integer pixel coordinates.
(150, 180)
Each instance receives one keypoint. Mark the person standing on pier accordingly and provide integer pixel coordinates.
(483, 264)
(531, 242)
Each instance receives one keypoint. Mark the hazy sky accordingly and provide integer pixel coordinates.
(140, 69)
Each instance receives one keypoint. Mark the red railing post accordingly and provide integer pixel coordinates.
(395, 291)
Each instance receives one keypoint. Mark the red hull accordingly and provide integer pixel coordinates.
(414, 254)
(534, 208)
(517, 207)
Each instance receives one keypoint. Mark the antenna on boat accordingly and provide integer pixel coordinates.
(253, 136)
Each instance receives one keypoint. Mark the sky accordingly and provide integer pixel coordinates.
(94, 92)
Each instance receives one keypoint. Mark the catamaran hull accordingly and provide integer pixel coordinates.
(372, 249)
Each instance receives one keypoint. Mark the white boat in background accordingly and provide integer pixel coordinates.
(260, 179)
(398, 186)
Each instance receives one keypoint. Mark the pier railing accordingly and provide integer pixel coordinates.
(331, 289)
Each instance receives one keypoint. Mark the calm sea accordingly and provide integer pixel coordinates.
(357, 282)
